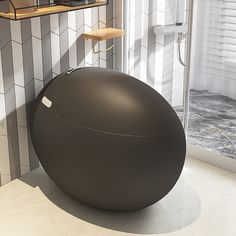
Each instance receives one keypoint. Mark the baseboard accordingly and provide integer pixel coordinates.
(211, 158)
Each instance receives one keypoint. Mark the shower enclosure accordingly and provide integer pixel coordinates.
(186, 50)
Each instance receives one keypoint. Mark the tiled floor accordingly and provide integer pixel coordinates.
(212, 122)
(201, 204)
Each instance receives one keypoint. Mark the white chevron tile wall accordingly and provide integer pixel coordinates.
(32, 52)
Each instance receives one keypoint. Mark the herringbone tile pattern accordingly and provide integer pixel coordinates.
(32, 52)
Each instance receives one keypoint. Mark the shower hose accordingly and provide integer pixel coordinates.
(180, 37)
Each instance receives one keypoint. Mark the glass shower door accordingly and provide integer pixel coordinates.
(156, 53)
(152, 50)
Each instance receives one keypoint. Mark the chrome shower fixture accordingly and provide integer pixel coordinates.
(171, 29)
(179, 28)
(180, 32)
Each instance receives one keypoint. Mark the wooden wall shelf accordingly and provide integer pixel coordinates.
(46, 10)
(103, 34)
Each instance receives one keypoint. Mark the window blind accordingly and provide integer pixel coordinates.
(220, 29)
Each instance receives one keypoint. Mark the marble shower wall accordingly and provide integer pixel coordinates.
(32, 52)
(152, 58)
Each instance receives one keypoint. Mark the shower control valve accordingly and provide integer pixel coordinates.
(170, 29)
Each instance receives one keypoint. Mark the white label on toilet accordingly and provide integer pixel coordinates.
(46, 102)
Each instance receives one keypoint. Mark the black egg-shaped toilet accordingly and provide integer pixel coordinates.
(107, 139)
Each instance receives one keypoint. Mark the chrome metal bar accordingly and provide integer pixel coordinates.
(126, 36)
(187, 71)
(99, 51)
